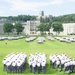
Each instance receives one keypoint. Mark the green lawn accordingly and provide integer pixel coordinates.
(32, 47)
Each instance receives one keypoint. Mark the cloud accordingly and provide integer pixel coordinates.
(22, 5)
(30, 6)
(2, 9)
(56, 2)
(72, 0)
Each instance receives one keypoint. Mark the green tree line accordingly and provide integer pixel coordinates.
(70, 18)
(19, 18)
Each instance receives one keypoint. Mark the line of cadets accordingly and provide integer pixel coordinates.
(14, 62)
(62, 62)
(37, 62)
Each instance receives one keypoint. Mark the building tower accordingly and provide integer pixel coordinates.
(42, 13)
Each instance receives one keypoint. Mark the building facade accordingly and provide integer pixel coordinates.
(68, 28)
(2, 21)
(30, 27)
(1, 29)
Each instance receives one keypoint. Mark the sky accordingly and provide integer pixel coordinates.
(33, 7)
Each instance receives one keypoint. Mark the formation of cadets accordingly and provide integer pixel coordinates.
(66, 39)
(12, 38)
(30, 39)
(50, 38)
(62, 63)
(14, 62)
(37, 62)
(40, 40)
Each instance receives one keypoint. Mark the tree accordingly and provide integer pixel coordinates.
(48, 26)
(57, 27)
(19, 28)
(42, 20)
(7, 27)
(41, 27)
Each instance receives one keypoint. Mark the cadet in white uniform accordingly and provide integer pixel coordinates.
(43, 66)
(30, 65)
(34, 67)
(14, 67)
(53, 62)
(58, 64)
(8, 69)
(50, 58)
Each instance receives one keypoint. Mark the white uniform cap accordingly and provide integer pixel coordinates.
(13, 64)
(43, 63)
(30, 63)
(4, 61)
(33, 64)
(38, 64)
(18, 64)
(8, 63)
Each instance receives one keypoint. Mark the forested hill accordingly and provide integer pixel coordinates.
(19, 18)
(70, 18)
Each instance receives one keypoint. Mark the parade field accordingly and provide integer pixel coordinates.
(48, 47)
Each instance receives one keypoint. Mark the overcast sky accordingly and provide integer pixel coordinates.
(33, 7)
